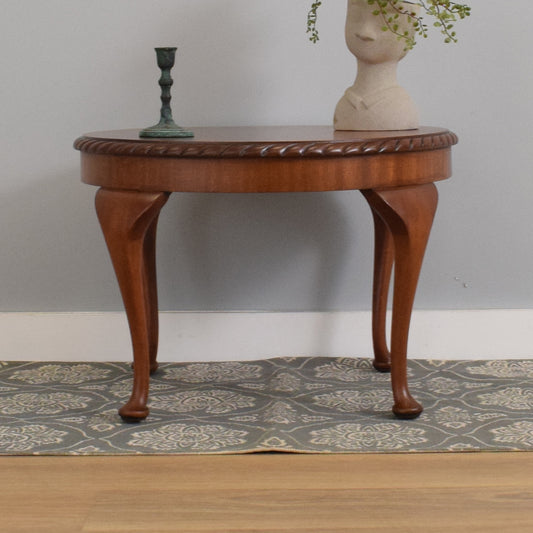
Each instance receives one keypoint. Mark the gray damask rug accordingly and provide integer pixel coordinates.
(295, 404)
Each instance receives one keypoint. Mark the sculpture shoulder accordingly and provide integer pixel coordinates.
(387, 109)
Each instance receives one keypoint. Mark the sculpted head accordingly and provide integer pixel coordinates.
(366, 39)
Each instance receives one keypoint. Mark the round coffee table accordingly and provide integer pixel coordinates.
(394, 170)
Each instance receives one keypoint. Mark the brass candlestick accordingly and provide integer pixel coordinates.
(166, 126)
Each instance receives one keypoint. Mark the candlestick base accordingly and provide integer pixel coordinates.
(168, 130)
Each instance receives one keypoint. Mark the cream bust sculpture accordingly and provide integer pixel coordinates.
(375, 101)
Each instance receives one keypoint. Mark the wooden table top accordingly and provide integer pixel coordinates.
(268, 141)
(266, 159)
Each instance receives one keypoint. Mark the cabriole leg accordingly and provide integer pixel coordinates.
(383, 261)
(408, 213)
(129, 222)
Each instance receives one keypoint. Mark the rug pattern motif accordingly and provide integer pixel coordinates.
(294, 404)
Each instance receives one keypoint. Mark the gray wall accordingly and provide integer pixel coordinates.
(72, 66)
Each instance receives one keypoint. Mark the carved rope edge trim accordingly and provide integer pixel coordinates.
(207, 150)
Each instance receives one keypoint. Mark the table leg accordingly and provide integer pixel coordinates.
(129, 222)
(383, 261)
(408, 214)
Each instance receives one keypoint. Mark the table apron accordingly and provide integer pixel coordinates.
(263, 175)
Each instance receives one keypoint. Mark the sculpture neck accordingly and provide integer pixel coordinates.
(372, 77)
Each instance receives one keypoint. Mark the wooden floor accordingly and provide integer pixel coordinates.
(269, 493)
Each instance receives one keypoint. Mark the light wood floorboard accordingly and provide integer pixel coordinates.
(269, 493)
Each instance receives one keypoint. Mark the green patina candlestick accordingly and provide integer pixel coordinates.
(166, 126)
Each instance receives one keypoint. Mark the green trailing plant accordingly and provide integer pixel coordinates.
(443, 13)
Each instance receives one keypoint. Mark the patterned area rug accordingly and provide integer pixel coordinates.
(316, 405)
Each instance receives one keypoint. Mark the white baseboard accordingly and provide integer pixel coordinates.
(205, 336)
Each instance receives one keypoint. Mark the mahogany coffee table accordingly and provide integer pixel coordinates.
(395, 171)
